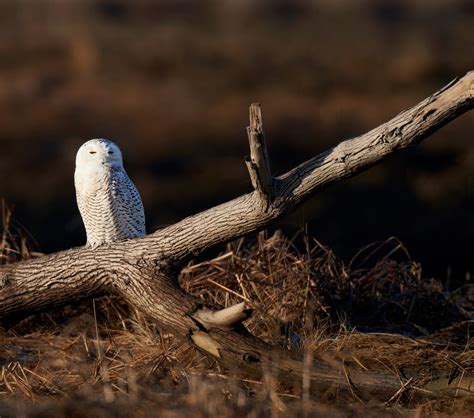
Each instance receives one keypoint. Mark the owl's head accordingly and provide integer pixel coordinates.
(99, 152)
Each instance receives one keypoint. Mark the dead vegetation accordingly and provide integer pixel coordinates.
(107, 359)
(14, 243)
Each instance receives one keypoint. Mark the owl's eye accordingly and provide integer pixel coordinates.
(111, 152)
(91, 152)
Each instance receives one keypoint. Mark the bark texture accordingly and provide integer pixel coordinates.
(143, 270)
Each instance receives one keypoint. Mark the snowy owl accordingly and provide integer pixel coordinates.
(108, 201)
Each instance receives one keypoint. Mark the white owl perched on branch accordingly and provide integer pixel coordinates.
(108, 201)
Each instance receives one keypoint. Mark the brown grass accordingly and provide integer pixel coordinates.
(103, 358)
(13, 242)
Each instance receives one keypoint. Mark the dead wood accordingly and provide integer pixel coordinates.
(143, 271)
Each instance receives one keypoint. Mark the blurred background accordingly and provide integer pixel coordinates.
(171, 81)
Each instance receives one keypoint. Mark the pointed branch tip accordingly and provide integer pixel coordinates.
(223, 318)
(255, 116)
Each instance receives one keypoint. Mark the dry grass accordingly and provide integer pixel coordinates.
(14, 244)
(102, 358)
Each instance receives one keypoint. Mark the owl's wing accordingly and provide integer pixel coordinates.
(130, 204)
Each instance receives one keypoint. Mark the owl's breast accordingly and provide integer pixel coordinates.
(90, 181)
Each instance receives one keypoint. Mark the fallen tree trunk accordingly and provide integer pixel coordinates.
(143, 271)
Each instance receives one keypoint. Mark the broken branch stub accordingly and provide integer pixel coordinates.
(224, 318)
(258, 163)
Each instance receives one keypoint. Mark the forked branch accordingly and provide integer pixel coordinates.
(143, 270)
(245, 214)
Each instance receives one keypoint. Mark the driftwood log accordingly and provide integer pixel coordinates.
(143, 271)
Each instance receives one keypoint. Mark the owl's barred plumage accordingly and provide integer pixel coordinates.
(109, 203)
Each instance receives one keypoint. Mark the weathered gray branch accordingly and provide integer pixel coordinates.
(258, 164)
(244, 215)
(142, 270)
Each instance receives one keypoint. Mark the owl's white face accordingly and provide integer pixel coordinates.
(97, 154)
